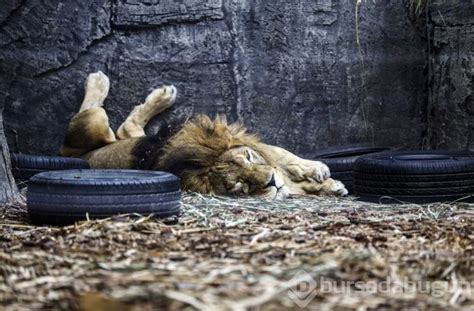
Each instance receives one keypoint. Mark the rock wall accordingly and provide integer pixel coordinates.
(291, 70)
(8, 190)
(450, 121)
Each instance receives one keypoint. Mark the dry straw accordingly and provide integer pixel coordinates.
(246, 254)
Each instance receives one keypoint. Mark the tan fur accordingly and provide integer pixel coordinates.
(210, 156)
(155, 103)
(88, 130)
(96, 90)
(117, 155)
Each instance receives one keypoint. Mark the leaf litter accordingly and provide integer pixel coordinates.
(245, 254)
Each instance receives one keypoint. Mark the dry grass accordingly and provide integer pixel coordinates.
(227, 254)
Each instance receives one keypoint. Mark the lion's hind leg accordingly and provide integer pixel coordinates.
(156, 102)
(96, 90)
(89, 129)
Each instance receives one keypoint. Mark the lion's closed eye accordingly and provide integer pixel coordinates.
(248, 156)
(253, 157)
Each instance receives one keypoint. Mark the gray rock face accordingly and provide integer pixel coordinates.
(8, 190)
(451, 100)
(138, 14)
(291, 71)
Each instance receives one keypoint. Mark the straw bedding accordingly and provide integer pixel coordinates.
(245, 254)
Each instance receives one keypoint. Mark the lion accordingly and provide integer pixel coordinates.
(210, 156)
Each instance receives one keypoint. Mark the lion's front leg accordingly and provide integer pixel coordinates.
(308, 170)
(297, 169)
(328, 187)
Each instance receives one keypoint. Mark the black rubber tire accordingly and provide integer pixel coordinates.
(25, 166)
(416, 191)
(344, 175)
(24, 174)
(349, 151)
(416, 185)
(340, 160)
(104, 182)
(343, 158)
(343, 165)
(415, 176)
(417, 162)
(62, 197)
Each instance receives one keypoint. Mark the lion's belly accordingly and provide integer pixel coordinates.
(117, 155)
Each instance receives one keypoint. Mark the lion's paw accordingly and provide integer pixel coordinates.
(320, 171)
(162, 97)
(308, 170)
(338, 188)
(329, 187)
(97, 86)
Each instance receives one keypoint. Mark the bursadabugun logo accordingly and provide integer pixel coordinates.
(303, 288)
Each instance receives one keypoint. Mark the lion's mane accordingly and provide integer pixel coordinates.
(195, 149)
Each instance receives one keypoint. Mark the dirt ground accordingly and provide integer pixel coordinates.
(246, 254)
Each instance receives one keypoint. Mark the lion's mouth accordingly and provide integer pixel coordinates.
(276, 187)
(279, 189)
(281, 193)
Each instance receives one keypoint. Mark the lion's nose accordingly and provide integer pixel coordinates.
(272, 182)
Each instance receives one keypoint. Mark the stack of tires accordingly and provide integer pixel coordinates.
(25, 166)
(415, 176)
(378, 174)
(64, 190)
(63, 197)
(340, 161)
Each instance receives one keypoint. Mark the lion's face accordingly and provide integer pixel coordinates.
(243, 171)
(211, 156)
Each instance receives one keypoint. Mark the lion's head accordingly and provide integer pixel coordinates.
(211, 156)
